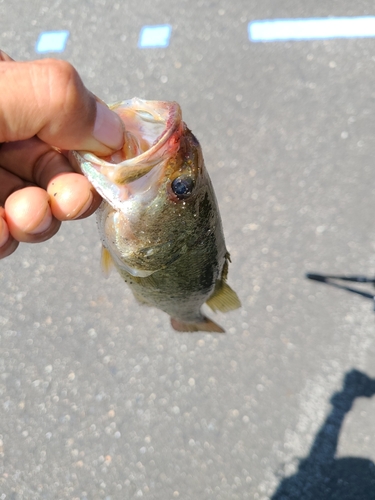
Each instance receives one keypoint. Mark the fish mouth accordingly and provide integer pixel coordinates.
(152, 130)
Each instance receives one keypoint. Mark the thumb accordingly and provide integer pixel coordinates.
(47, 98)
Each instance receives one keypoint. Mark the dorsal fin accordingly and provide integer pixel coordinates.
(223, 299)
(106, 262)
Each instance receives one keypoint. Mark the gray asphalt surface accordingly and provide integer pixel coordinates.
(99, 398)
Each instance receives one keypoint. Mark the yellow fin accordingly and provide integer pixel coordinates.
(106, 262)
(203, 325)
(223, 299)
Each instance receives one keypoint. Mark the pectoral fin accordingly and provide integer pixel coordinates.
(106, 262)
(223, 299)
(204, 325)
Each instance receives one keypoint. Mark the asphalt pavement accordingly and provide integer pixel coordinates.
(99, 397)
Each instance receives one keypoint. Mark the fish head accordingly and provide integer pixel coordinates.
(158, 199)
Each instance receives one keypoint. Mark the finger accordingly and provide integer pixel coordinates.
(72, 197)
(29, 217)
(71, 194)
(7, 243)
(8, 184)
(47, 98)
(33, 160)
(5, 57)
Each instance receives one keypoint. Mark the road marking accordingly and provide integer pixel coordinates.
(311, 29)
(52, 41)
(155, 36)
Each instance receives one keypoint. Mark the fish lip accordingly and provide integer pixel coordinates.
(172, 123)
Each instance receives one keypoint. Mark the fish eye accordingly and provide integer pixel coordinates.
(182, 186)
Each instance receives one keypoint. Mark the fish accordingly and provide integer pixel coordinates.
(159, 220)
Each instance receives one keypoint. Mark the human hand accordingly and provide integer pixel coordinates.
(44, 105)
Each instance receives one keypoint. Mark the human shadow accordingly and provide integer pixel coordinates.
(321, 476)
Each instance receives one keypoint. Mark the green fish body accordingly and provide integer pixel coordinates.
(159, 220)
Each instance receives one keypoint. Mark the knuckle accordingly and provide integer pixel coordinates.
(70, 104)
(65, 84)
(66, 89)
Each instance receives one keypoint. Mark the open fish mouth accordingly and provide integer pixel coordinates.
(152, 130)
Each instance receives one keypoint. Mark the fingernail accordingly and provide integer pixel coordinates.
(44, 224)
(4, 232)
(108, 128)
(85, 207)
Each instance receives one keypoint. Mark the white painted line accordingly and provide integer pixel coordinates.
(155, 36)
(52, 41)
(311, 29)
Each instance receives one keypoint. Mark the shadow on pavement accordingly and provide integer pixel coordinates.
(332, 281)
(321, 476)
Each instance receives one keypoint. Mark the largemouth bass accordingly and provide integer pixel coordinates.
(159, 221)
